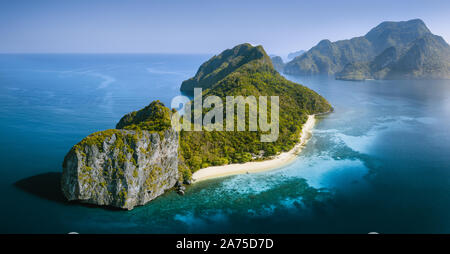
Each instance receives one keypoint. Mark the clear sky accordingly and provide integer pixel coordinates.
(196, 26)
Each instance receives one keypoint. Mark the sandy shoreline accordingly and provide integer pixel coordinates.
(258, 166)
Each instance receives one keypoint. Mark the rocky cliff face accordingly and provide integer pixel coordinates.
(121, 168)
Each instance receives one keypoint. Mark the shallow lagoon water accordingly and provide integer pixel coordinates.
(379, 162)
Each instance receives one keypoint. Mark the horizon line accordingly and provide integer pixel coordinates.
(105, 53)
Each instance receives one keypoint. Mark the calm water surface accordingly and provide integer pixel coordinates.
(380, 162)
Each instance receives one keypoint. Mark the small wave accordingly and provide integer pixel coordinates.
(107, 80)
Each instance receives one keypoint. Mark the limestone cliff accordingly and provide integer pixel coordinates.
(329, 58)
(425, 58)
(121, 168)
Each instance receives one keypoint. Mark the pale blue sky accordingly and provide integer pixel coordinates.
(132, 26)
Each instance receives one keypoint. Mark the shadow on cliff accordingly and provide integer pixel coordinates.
(48, 186)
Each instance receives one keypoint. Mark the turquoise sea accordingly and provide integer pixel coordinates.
(380, 162)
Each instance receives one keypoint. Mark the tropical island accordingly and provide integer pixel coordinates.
(391, 50)
(144, 157)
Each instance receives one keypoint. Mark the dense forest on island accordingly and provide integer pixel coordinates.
(244, 70)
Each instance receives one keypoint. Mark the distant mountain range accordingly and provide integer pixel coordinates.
(392, 50)
(295, 54)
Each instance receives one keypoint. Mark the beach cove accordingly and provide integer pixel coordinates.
(278, 161)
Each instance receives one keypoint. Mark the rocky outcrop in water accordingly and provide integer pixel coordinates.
(426, 58)
(121, 168)
(391, 50)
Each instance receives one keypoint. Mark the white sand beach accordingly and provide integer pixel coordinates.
(258, 166)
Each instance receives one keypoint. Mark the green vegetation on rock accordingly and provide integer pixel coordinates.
(154, 117)
(257, 77)
(111, 167)
(218, 67)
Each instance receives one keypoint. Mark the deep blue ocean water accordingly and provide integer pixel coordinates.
(380, 162)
